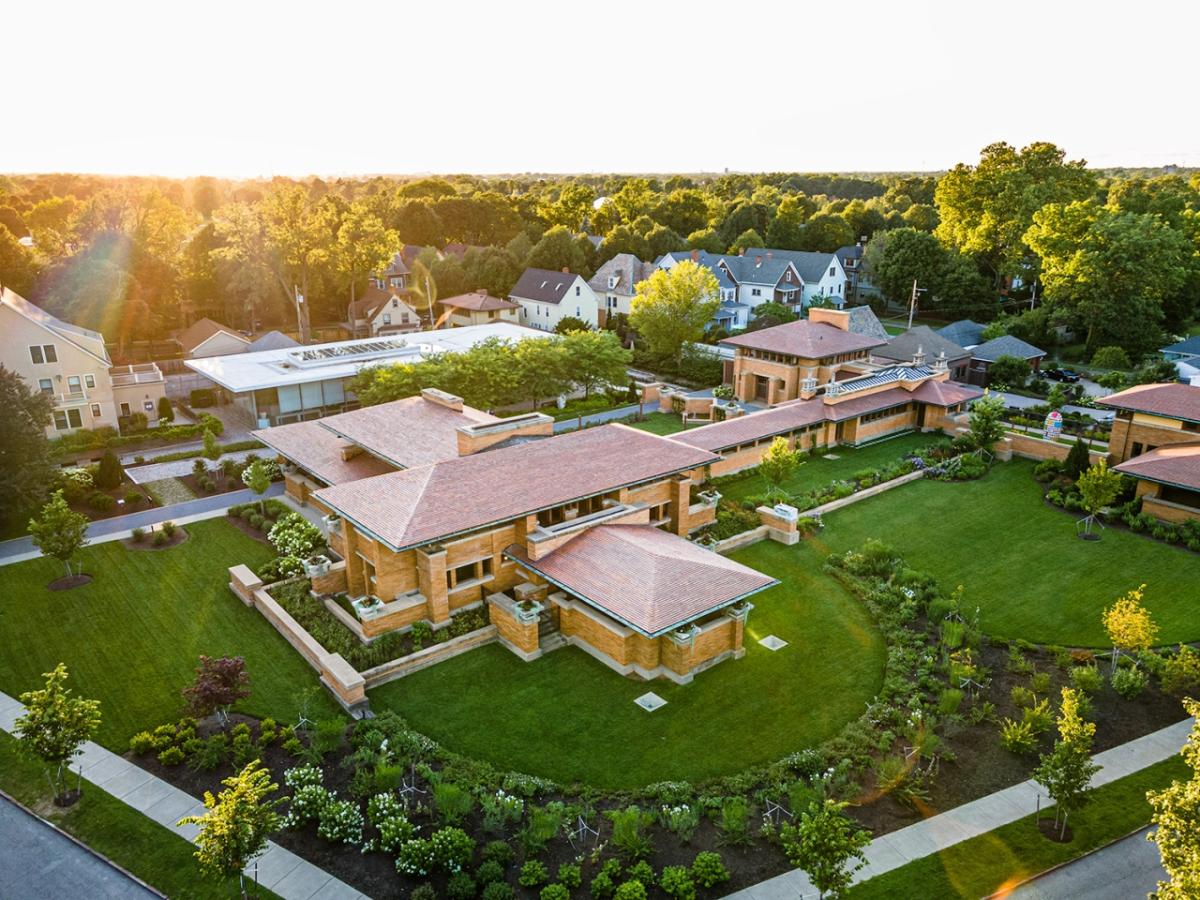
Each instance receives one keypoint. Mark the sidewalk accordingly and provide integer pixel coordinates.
(279, 870)
(599, 418)
(21, 549)
(895, 849)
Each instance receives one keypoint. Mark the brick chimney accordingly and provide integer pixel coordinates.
(566, 270)
(479, 436)
(442, 398)
(757, 261)
(695, 256)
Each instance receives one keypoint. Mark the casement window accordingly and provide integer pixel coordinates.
(65, 419)
(95, 410)
(43, 353)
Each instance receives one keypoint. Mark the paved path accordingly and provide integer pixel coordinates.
(118, 527)
(892, 850)
(1127, 868)
(599, 418)
(180, 467)
(1017, 401)
(40, 862)
(279, 870)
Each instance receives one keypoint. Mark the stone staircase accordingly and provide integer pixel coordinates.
(552, 641)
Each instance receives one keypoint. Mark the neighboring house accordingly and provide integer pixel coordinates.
(821, 274)
(1185, 349)
(476, 308)
(857, 283)
(382, 311)
(616, 281)
(1156, 439)
(987, 353)
(732, 315)
(764, 278)
(964, 333)
(275, 387)
(205, 337)
(923, 341)
(546, 298)
(799, 359)
(272, 340)
(72, 366)
(396, 276)
(1188, 369)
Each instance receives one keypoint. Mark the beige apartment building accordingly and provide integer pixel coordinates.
(71, 365)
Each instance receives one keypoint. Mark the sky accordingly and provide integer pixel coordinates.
(257, 88)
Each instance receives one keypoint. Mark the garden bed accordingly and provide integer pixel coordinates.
(172, 536)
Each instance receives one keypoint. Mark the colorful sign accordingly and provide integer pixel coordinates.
(1053, 424)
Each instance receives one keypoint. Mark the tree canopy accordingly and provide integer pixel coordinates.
(674, 306)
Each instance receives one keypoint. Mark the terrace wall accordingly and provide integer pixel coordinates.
(1029, 447)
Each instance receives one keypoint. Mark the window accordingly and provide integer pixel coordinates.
(89, 381)
(43, 353)
(576, 290)
(387, 318)
(46, 385)
(787, 276)
(95, 410)
(755, 292)
(67, 419)
(74, 385)
(578, 314)
(469, 574)
(124, 409)
(832, 270)
(612, 282)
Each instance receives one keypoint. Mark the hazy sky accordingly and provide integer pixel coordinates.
(258, 88)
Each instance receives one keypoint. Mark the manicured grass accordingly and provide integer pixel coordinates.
(660, 423)
(1019, 559)
(818, 471)
(1003, 858)
(568, 717)
(138, 844)
(132, 637)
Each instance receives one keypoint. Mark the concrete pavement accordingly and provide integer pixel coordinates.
(1017, 401)
(40, 862)
(1127, 868)
(180, 467)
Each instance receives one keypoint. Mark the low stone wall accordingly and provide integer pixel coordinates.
(863, 494)
(745, 539)
(347, 686)
(1168, 511)
(423, 659)
(1030, 447)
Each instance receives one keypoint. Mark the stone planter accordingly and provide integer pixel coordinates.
(316, 566)
(739, 611)
(331, 522)
(367, 608)
(710, 498)
(684, 637)
(528, 612)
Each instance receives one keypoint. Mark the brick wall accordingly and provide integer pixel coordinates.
(1147, 431)
(1030, 447)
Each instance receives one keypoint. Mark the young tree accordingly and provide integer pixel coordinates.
(673, 307)
(828, 846)
(109, 472)
(257, 477)
(985, 422)
(238, 822)
(59, 531)
(1129, 625)
(1176, 813)
(219, 684)
(1009, 371)
(595, 359)
(56, 725)
(166, 412)
(1098, 487)
(779, 463)
(1066, 771)
(26, 470)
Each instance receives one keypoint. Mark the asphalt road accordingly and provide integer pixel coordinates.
(38, 862)
(1129, 868)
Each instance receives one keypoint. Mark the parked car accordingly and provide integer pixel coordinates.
(1064, 375)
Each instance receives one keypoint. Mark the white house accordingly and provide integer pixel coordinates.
(822, 274)
(616, 282)
(546, 298)
(762, 277)
(382, 311)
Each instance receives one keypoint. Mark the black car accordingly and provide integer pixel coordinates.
(1064, 375)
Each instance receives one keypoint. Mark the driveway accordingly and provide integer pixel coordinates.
(1128, 868)
(39, 862)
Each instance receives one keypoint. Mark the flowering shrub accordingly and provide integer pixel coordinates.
(307, 804)
(415, 857)
(683, 820)
(341, 821)
(382, 807)
(292, 535)
(452, 848)
(394, 831)
(501, 808)
(303, 776)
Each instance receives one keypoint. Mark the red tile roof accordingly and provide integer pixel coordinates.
(1176, 464)
(645, 577)
(425, 504)
(811, 340)
(407, 433)
(752, 427)
(1175, 401)
(319, 451)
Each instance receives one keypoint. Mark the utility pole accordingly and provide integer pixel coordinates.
(1033, 295)
(301, 315)
(912, 303)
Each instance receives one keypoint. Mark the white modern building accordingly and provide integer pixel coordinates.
(275, 387)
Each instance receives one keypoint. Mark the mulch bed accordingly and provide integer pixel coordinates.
(69, 581)
(147, 541)
(118, 509)
(223, 485)
(247, 529)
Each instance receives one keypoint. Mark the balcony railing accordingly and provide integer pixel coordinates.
(141, 373)
(71, 398)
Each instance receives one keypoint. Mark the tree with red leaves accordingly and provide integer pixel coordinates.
(219, 684)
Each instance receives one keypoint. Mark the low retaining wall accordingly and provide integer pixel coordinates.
(423, 659)
(863, 494)
(1030, 447)
(745, 539)
(347, 686)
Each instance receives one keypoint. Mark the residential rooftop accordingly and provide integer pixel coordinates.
(203, 329)
(644, 577)
(543, 285)
(1175, 464)
(241, 372)
(321, 452)
(1006, 345)
(810, 264)
(1174, 401)
(923, 338)
(810, 340)
(478, 301)
(429, 503)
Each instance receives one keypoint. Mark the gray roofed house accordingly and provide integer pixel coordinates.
(964, 332)
(543, 285)
(547, 297)
(615, 281)
(926, 341)
(757, 268)
(811, 265)
(272, 340)
(1006, 345)
(1184, 349)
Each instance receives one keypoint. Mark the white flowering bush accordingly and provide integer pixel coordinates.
(303, 776)
(307, 803)
(382, 807)
(682, 820)
(500, 809)
(341, 821)
(414, 857)
(294, 536)
(452, 848)
(526, 785)
(394, 832)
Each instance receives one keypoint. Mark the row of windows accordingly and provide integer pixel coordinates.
(43, 353)
(886, 413)
(74, 384)
(794, 433)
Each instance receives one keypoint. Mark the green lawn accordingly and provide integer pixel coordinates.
(132, 637)
(1019, 559)
(568, 717)
(138, 844)
(660, 423)
(818, 471)
(1000, 859)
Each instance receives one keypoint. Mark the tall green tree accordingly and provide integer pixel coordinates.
(596, 359)
(674, 306)
(542, 370)
(558, 249)
(59, 531)
(25, 467)
(55, 725)
(364, 245)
